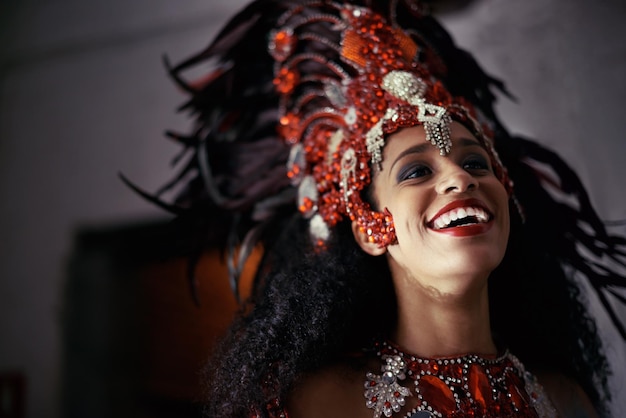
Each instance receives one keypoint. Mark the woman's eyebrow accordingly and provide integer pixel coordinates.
(420, 148)
(469, 142)
(416, 149)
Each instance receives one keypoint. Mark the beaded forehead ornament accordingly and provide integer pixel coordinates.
(335, 113)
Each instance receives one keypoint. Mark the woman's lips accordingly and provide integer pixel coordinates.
(467, 217)
(466, 230)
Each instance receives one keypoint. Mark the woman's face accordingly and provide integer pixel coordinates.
(450, 212)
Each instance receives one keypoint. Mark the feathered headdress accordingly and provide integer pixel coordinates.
(293, 113)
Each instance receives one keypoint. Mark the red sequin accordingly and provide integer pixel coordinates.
(282, 44)
(286, 80)
(371, 48)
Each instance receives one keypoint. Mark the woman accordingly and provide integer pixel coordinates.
(410, 245)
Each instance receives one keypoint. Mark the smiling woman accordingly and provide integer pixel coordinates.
(402, 274)
(451, 218)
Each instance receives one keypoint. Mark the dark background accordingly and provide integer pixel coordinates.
(83, 95)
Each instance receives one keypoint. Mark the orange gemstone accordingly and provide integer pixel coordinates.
(286, 80)
(479, 385)
(288, 128)
(280, 38)
(438, 393)
(283, 45)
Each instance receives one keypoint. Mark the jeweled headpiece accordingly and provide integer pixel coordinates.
(335, 113)
(336, 78)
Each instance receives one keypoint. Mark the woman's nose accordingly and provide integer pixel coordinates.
(456, 180)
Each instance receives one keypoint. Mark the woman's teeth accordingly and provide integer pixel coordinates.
(461, 216)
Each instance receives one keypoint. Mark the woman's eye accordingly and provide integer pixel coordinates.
(414, 172)
(476, 163)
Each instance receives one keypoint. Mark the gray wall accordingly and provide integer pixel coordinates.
(83, 95)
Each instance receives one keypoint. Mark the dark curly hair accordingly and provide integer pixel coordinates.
(313, 308)
(309, 308)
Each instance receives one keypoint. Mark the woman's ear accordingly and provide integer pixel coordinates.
(361, 238)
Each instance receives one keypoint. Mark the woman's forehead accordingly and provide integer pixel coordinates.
(416, 135)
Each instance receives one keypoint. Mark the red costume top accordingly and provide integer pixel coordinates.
(467, 386)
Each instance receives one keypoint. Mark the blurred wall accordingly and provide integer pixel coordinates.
(83, 95)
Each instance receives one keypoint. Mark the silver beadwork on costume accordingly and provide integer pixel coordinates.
(307, 190)
(296, 163)
(333, 145)
(348, 169)
(318, 228)
(435, 119)
(540, 401)
(410, 88)
(350, 116)
(334, 92)
(405, 86)
(375, 141)
(383, 393)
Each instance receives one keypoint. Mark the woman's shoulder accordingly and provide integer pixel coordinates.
(566, 395)
(333, 391)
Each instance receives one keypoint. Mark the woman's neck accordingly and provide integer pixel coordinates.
(434, 325)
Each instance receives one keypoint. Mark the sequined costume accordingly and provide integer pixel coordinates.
(461, 386)
(290, 125)
(466, 386)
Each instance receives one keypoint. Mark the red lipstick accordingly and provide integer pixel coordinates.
(463, 230)
(475, 203)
